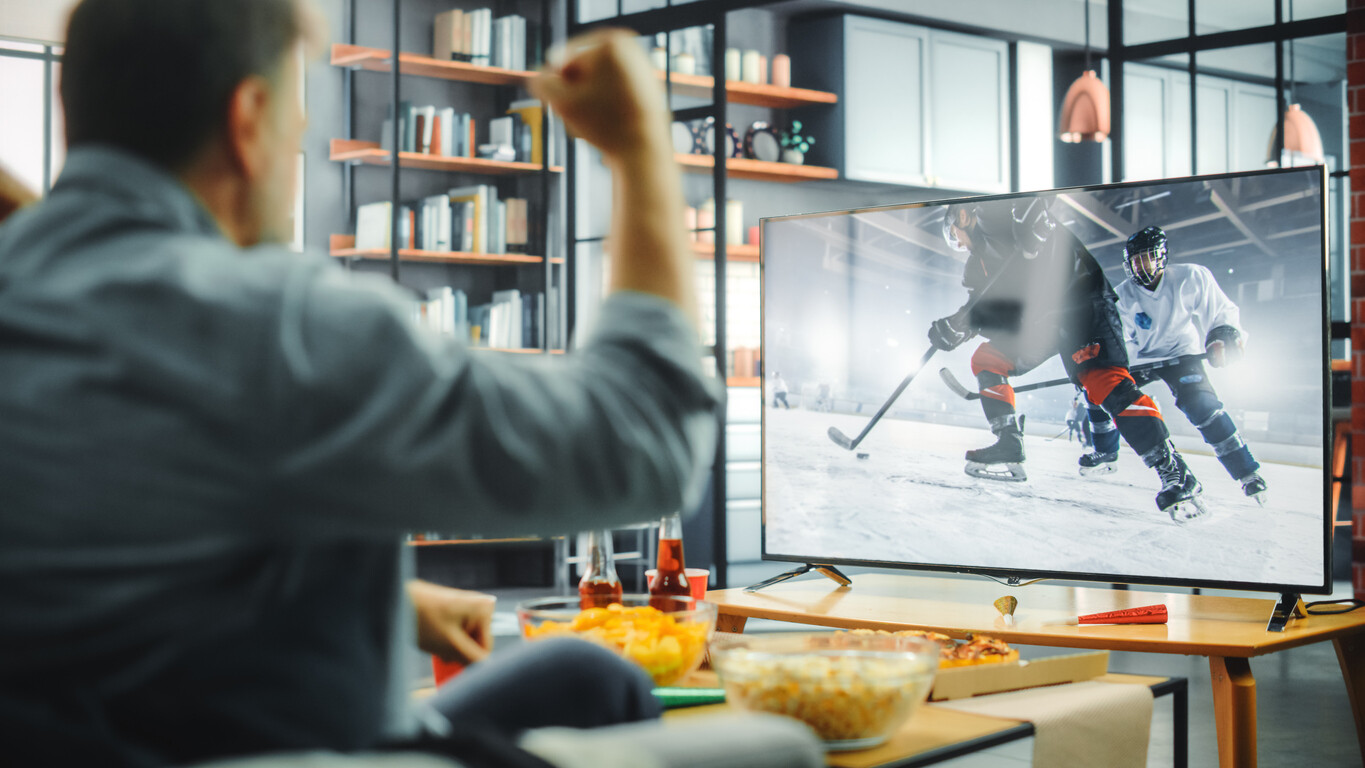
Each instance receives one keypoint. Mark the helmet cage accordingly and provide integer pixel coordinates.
(1145, 265)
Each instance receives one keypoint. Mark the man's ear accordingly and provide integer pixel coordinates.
(248, 126)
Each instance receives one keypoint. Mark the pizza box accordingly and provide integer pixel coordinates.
(962, 682)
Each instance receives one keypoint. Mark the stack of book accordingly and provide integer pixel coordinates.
(478, 38)
(442, 131)
(464, 219)
(511, 320)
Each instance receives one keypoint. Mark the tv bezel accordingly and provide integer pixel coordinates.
(1014, 576)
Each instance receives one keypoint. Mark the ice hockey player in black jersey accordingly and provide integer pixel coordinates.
(1176, 312)
(1034, 291)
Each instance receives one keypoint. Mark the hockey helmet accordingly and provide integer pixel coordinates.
(1144, 257)
(959, 219)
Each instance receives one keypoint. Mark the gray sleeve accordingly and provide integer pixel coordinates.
(384, 426)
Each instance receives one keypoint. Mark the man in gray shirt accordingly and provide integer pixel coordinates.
(210, 447)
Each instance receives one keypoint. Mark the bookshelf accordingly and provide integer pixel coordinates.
(387, 66)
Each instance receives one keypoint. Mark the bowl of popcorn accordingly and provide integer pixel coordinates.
(666, 636)
(854, 691)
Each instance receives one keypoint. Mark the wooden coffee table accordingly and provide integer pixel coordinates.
(1228, 630)
(936, 734)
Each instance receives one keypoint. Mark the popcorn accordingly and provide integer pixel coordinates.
(665, 647)
(843, 696)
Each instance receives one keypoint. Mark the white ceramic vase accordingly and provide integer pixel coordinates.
(793, 156)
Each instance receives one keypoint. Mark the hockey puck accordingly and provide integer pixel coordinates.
(862, 455)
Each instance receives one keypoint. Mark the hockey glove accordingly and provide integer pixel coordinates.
(1223, 345)
(948, 333)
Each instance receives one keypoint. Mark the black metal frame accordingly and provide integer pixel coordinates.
(48, 58)
(666, 20)
(1193, 44)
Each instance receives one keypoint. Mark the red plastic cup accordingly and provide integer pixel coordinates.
(696, 580)
(443, 670)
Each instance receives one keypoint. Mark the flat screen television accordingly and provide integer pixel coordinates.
(868, 422)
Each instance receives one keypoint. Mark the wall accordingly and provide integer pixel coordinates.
(42, 21)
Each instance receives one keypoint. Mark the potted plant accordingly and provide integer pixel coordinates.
(795, 145)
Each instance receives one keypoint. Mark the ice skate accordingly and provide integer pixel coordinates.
(1099, 463)
(1002, 461)
(1180, 491)
(1253, 485)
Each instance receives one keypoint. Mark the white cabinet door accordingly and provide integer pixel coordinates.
(968, 92)
(884, 102)
(1253, 110)
(1215, 106)
(1146, 114)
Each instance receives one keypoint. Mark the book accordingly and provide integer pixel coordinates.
(508, 321)
(447, 42)
(373, 224)
(530, 111)
(446, 119)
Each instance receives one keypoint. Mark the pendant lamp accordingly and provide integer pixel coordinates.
(1302, 142)
(1085, 111)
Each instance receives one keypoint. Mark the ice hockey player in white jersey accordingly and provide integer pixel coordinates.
(1176, 313)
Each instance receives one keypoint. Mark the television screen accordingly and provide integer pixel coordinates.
(1121, 383)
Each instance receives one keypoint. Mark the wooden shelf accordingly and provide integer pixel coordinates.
(343, 247)
(744, 252)
(515, 351)
(742, 381)
(740, 92)
(759, 170)
(439, 542)
(381, 60)
(369, 153)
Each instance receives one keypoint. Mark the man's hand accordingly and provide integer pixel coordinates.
(1224, 346)
(608, 94)
(454, 624)
(948, 333)
(13, 194)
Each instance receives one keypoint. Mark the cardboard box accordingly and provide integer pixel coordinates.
(961, 682)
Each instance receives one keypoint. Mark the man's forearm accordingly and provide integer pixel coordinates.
(650, 250)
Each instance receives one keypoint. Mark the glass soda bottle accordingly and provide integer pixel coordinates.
(600, 586)
(671, 577)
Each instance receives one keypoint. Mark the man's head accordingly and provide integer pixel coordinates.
(206, 89)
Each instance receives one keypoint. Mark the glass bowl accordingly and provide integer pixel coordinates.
(854, 691)
(668, 644)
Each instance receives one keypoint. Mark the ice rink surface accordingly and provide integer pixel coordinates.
(910, 501)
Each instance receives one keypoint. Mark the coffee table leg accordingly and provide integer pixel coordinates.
(728, 622)
(1351, 656)
(1234, 711)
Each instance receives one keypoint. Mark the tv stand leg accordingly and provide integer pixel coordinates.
(828, 571)
(729, 622)
(1351, 656)
(1289, 607)
(1234, 711)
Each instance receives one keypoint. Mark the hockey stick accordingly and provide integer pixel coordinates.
(966, 394)
(844, 442)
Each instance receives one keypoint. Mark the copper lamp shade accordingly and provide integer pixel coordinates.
(1301, 138)
(1085, 112)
